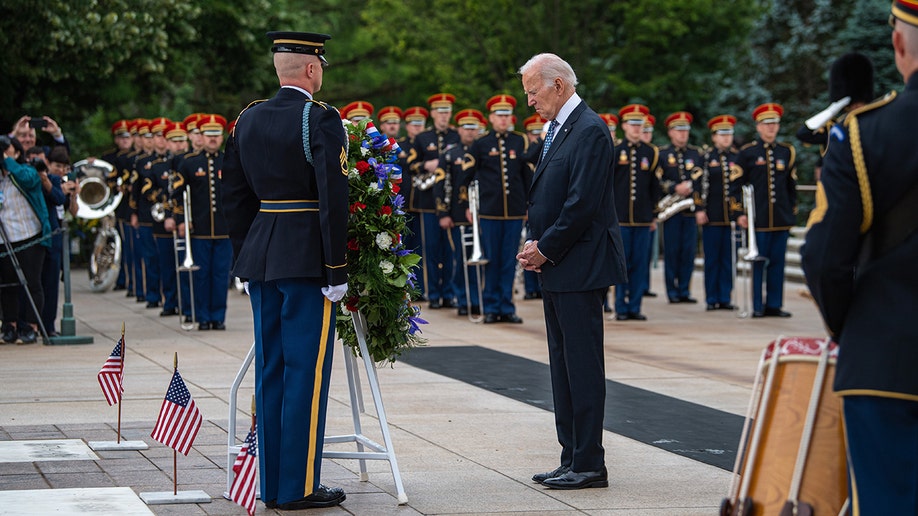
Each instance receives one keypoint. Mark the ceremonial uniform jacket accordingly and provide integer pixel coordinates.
(501, 165)
(868, 300)
(427, 145)
(678, 165)
(148, 188)
(771, 169)
(203, 172)
(116, 158)
(716, 195)
(451, 193)
(405, 153)
(287, 215)
(636, 186)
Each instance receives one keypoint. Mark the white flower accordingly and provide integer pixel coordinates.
(383, 240)
(352, 174)
(364, 151)
(386, 266)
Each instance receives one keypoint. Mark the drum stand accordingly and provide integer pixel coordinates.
(379, 451)
(23, 282)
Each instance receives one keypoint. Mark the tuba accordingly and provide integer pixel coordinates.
(96, 201)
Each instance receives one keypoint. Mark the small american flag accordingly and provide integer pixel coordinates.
(112, 374)
(179, 419)
(246, 469)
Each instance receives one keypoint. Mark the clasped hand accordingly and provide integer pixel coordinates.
(530, 258)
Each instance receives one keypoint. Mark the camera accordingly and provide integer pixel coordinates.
(39, 164)
(4, 143)
(37, 122)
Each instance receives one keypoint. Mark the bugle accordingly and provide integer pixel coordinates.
(472, 239)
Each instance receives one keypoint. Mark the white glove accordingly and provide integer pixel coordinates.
(334, 293)
(245, 286)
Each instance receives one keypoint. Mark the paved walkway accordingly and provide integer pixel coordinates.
(461, 449)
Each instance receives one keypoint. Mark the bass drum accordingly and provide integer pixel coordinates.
(105, 261)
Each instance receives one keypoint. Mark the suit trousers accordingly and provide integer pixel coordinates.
(574, 324)
(718, 264)
(294, 336)
(773, 249)
(881, 437)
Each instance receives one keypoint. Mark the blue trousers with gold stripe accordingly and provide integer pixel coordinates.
(294, 332)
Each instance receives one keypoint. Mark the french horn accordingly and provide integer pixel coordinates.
(96, 201)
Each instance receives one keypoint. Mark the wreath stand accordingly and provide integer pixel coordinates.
(377, 451)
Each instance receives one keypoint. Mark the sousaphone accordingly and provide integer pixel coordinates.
(97, 201)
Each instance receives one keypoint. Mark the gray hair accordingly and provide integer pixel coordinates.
(550, 67)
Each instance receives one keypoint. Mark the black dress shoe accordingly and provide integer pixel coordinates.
(573, 480)
(542, 477)
(321, 497)
(530, 295)
(271, 504)
(476, 310)
(711, 307)
(776, 312)
(621, 317)
(725, 306)
(448, 303)
(215, 325)
(674, 300)
(511, 318)
(491, 318)
(204, 326)
(650, 294)
(188, 319)
(153, 304)
(687, 299)
(169, 311)
(758, 314)
(463, 310)
(637, 317)
(141, 299)
(130, 293)
(607, 309)
(434, 305)
(118, 287)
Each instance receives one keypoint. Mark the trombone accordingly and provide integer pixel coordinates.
(472, 239)
(187, 265)
(748, 248)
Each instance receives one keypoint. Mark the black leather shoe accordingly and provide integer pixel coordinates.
(271, 504)
(511, 318)
(130, 293)
(463, 310)
(10, 336)
(321, 497)
(434, 305)
(118, 287)
(758, 314)
(28, 336)
(169, 311)
(188, 319)
(573, 480)
(215, 325)
(621, 317)
(531, 295)
(204, 326)
(725, 306)
(607, 309)
(476, 310)
(448, 303)
(711, 307)
(687, 299)
(491, 318)
(141, 299)
(776, 312)
(674, 300)
(542, 477)
(637, 317)
(650, 294)
(153, 304)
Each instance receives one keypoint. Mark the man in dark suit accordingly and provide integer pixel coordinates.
(575, 242)
(859, 260)
(285, 193)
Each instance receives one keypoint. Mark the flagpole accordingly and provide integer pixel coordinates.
(174, 451)
(121, 380)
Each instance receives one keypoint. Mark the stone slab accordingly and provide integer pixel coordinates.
(47, 449)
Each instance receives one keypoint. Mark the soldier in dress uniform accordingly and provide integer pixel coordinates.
(160, 171)
(415, 118)
(500, 162)
(770, 167)
(121, 132)
(653, 254)
(145, 192)
(452, 199)
(429, 146)
(535, 126)
(714, 213)
(637, 190)
(859, 259)
(209, 239)
(178, 139)
(647, 131)
(390, 121)
(357, 111)
(611, 120)
(194, 134)
(680, 169)
(285, 194)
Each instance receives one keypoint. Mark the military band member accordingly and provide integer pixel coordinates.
(647, 132)
(415, 118)
(714, 213)
(178, 139)
(611, 120)
(452, 197)
(637, 190)
(500, 162)
(121, 132)
(654, 253)
(287, 213)
(209, 239)
(770, 167)
(146, 192)
(161, 172)
(535, 128)
(194, 134)
(680, 168)
(389, 119)
(357, 111)
(429, 146)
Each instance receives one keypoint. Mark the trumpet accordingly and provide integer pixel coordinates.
(187, 265)
(473, 239)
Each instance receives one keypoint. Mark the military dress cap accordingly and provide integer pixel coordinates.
(299, 43)
(158, 125)
(906, 10)
(610, 119)
(416, 115)
(441, 102)
(768, 113)
(191, 122)
(649, 123)
(389, 114)
(357, 111)
(722, 124)
(175, 131)
(501, 104)
(212, 125)
(534, 124)
(633, 114)
(121, 128)
(143, 127)
(470, 119)
(680, 120)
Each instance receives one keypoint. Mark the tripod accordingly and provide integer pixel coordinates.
(22, 281)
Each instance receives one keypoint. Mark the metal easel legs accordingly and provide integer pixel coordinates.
(376, 451)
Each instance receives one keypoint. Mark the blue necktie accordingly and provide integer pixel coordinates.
(549, 136)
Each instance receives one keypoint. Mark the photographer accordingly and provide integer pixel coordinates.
(25, 132)
(24, 219)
